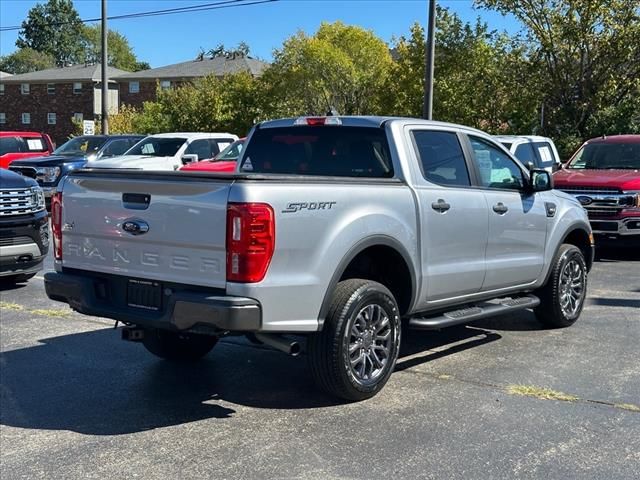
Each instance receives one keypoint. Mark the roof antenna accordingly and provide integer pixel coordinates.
(332, 112)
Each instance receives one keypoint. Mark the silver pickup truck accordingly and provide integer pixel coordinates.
(334, 234)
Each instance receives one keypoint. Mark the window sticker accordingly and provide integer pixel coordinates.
(545, 154)
(484, 163)
(35, 144)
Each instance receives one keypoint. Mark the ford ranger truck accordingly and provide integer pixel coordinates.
(604, 176)
(344, 232)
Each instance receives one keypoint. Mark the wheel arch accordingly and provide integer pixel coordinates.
(375, 244)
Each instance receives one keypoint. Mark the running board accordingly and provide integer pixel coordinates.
(473, 313)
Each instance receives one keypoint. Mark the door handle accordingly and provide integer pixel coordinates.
(440, 206)
(500, 208)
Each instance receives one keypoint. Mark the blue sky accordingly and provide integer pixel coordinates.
(163, 40)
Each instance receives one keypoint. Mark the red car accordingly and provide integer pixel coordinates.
(224, 162)
(604, 176)
(19, 145)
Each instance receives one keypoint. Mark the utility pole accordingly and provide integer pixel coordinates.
(103, 68)
(427, 108)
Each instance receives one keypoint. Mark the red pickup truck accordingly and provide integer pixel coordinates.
(604, 176)
(19, 145)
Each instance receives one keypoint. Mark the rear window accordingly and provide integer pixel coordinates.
(326, 151)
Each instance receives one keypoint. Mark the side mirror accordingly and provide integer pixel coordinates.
(189, 158)
(541, 180)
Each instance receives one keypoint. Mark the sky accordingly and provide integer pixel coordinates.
(163, 40)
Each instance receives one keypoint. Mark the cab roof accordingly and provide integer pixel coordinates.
(616, 139)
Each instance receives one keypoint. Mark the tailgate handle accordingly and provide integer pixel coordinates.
(136, 201)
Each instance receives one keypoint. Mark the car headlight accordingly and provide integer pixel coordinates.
(635, 200)
(47, 174)
(37, 199)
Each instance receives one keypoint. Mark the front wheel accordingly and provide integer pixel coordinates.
(179, 347)
(356, 351)
(562, 298)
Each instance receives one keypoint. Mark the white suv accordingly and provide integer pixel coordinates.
(169, 151)
(531, 148)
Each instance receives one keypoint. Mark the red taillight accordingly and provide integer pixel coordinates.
(250, 241)
(56, 224)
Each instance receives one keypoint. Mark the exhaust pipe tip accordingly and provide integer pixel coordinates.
(290, 347)
(295, 349)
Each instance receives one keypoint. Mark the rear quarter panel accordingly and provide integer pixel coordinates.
(311, 243)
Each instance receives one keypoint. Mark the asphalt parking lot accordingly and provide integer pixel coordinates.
(503, 398)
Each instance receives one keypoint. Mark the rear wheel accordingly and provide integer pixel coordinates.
(356, 351)
(562, 298)
(176, 346)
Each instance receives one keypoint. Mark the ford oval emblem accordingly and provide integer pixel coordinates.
(135, 227)
(584, 200)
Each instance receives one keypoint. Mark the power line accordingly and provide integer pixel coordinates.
(168, 11)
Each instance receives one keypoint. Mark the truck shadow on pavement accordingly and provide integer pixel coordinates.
(93, 383)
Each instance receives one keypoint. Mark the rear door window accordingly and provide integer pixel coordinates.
(441, 157)
(319, 150)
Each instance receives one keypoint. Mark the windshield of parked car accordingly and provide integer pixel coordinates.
(157, 147)
(319, 150)
(81, 146)
(231, 153)
(602, 155)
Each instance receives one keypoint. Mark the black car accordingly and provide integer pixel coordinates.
(24, 227)
(48, 171)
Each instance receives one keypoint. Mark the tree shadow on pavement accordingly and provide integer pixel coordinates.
(94, 383)
(611, 254)
(615, 302)
(6, 285)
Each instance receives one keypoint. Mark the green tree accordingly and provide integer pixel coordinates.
(210, 104)
(26, 60)
(340, 66)
(119, 52)
(588, 55)
(54, 28)
(482, 78)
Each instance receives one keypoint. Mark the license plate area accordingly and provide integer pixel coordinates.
(144, 294)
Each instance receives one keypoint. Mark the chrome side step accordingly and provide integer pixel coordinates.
(472, 313)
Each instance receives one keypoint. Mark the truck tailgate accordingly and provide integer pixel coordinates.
(170, 229)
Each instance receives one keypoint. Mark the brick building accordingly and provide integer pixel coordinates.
(139, 87)
(48, 100)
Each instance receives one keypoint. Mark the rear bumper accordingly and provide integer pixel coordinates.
(184, 310)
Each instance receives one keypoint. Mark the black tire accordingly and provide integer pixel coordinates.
(329, 350)
(178, 347)
(554, 310)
